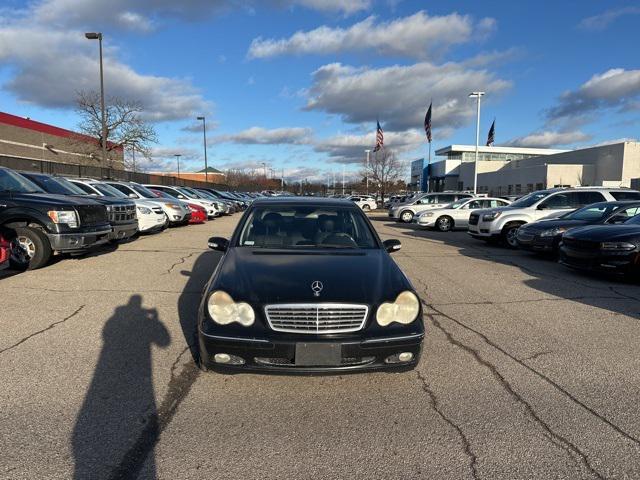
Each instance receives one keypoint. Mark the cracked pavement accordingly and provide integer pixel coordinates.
(529, 370)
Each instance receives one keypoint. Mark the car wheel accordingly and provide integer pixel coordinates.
(35, 247)
(366, 207)
(444, 223)
(509, 235)
(406, 216)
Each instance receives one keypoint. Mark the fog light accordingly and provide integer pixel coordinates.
(176, 217)
(227, 359)
(403, 357)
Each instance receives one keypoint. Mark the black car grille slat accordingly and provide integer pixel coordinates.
(92, 214)
(122, 213)
(316, 318)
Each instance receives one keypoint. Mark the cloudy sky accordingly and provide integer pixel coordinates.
(298, 84)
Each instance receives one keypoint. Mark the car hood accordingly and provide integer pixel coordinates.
(484, 211)
(48, 199)
(605, 233)
(555, 223)
(263, 277)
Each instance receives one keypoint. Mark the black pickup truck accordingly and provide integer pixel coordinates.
(45, 224)
(121, 211)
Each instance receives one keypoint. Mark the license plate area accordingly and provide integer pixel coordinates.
(318, 354)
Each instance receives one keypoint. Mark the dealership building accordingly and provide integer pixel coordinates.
(515, 170)
(27, 139)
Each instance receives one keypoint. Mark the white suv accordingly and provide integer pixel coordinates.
(503, 223)
(427, 201)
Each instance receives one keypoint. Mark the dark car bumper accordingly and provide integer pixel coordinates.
(78, 242)
(271, 355)
(536, 243)
(123, 231)
(610, 262)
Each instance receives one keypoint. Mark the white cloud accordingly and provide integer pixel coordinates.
(345, 6)
(616, 87)
(603, 20)
(399, 95)
(264, 136)
(418, 35)
(549, 139)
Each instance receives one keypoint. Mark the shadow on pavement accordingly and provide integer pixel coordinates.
(120, 402)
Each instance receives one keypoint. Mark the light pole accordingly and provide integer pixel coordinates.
(204, 133)
(98, 36)
(367, 171)
(264, 166)
(477, 95)
(343, 180)
(178, 155)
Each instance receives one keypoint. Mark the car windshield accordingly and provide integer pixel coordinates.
(290, 227)
(12, 182)
(52, 185)
(633, 220)
(591, 212)
(108, 190)
(187, 192)
(144, 191)
(529, 200)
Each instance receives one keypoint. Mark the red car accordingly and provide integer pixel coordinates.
(9, 246)
(198, 214)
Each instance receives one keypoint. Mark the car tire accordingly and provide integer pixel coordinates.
(509, 233)
(366, 207)
(37, 246)
(406, 216)
(444, 223)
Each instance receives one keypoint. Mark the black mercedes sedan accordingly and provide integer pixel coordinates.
(544, 236)
(604, 248)
(305, 285)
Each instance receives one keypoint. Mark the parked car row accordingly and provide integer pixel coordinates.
(42, 215)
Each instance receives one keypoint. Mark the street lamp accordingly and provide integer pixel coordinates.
(264, 166)
(204, 132)
(477, 95)
(367, 171)
(178, 155)
(98, 36)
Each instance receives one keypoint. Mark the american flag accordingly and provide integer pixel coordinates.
(492, 134)
(427, 123)
(379, 138)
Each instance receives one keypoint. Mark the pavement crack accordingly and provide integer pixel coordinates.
(557, 439)
(179, 262)
(466, 445)
(537, 355)
(53, 325)
(530, 300)
(540, 375)
(179, 386)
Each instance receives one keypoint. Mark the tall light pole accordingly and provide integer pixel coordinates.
(264, 166)
(178, 155)
(477, 95)
(367, 171)
(98, 36)
(204, 133)
(343, 180)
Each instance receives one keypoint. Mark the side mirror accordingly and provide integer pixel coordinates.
(542, 206)
(218, 243)
(133, 195)
(392, 245)
(181, 197)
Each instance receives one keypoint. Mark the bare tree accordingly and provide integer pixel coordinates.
(384, 170)
(126, 129)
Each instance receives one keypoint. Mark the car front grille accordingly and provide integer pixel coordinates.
(580, 244)
(92, 214)
(157, 210)
(473, 219)
(316, 318)
(122, 213)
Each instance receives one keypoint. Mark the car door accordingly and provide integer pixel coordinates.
(461, 214)
(554, 205)
(444, 199)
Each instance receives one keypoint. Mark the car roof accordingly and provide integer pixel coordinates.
(306, 201)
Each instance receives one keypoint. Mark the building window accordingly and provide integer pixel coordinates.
(460, 186)
(529, 187)
(518, 188)
(539, 186)
(510, 189)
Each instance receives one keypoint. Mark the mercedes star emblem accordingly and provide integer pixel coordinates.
(317, 288)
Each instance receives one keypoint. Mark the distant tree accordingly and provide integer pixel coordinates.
(126, 128)
(384, 170)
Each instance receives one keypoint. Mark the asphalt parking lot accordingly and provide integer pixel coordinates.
(529, 371)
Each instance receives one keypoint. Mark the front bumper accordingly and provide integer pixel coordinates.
(278, 355)
(422, 221)
(535, 243)
(611, 262)
(79, 241)
(151, 222)
(123, 231)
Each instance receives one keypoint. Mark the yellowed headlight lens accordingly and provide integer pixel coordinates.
(223, 310)
(403, 310)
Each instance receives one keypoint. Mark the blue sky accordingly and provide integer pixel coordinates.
(298, 84)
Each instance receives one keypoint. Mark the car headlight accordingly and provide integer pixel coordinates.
(427, 214)
(490, 217)
(144, 210)
(552, 232)
(68, 217)
(403, 310)
(223, 310)
(619, 246)
(172, 206)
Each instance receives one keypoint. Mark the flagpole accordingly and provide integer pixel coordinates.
(429, 169)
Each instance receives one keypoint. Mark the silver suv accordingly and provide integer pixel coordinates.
(503, 223)
(427, 201)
